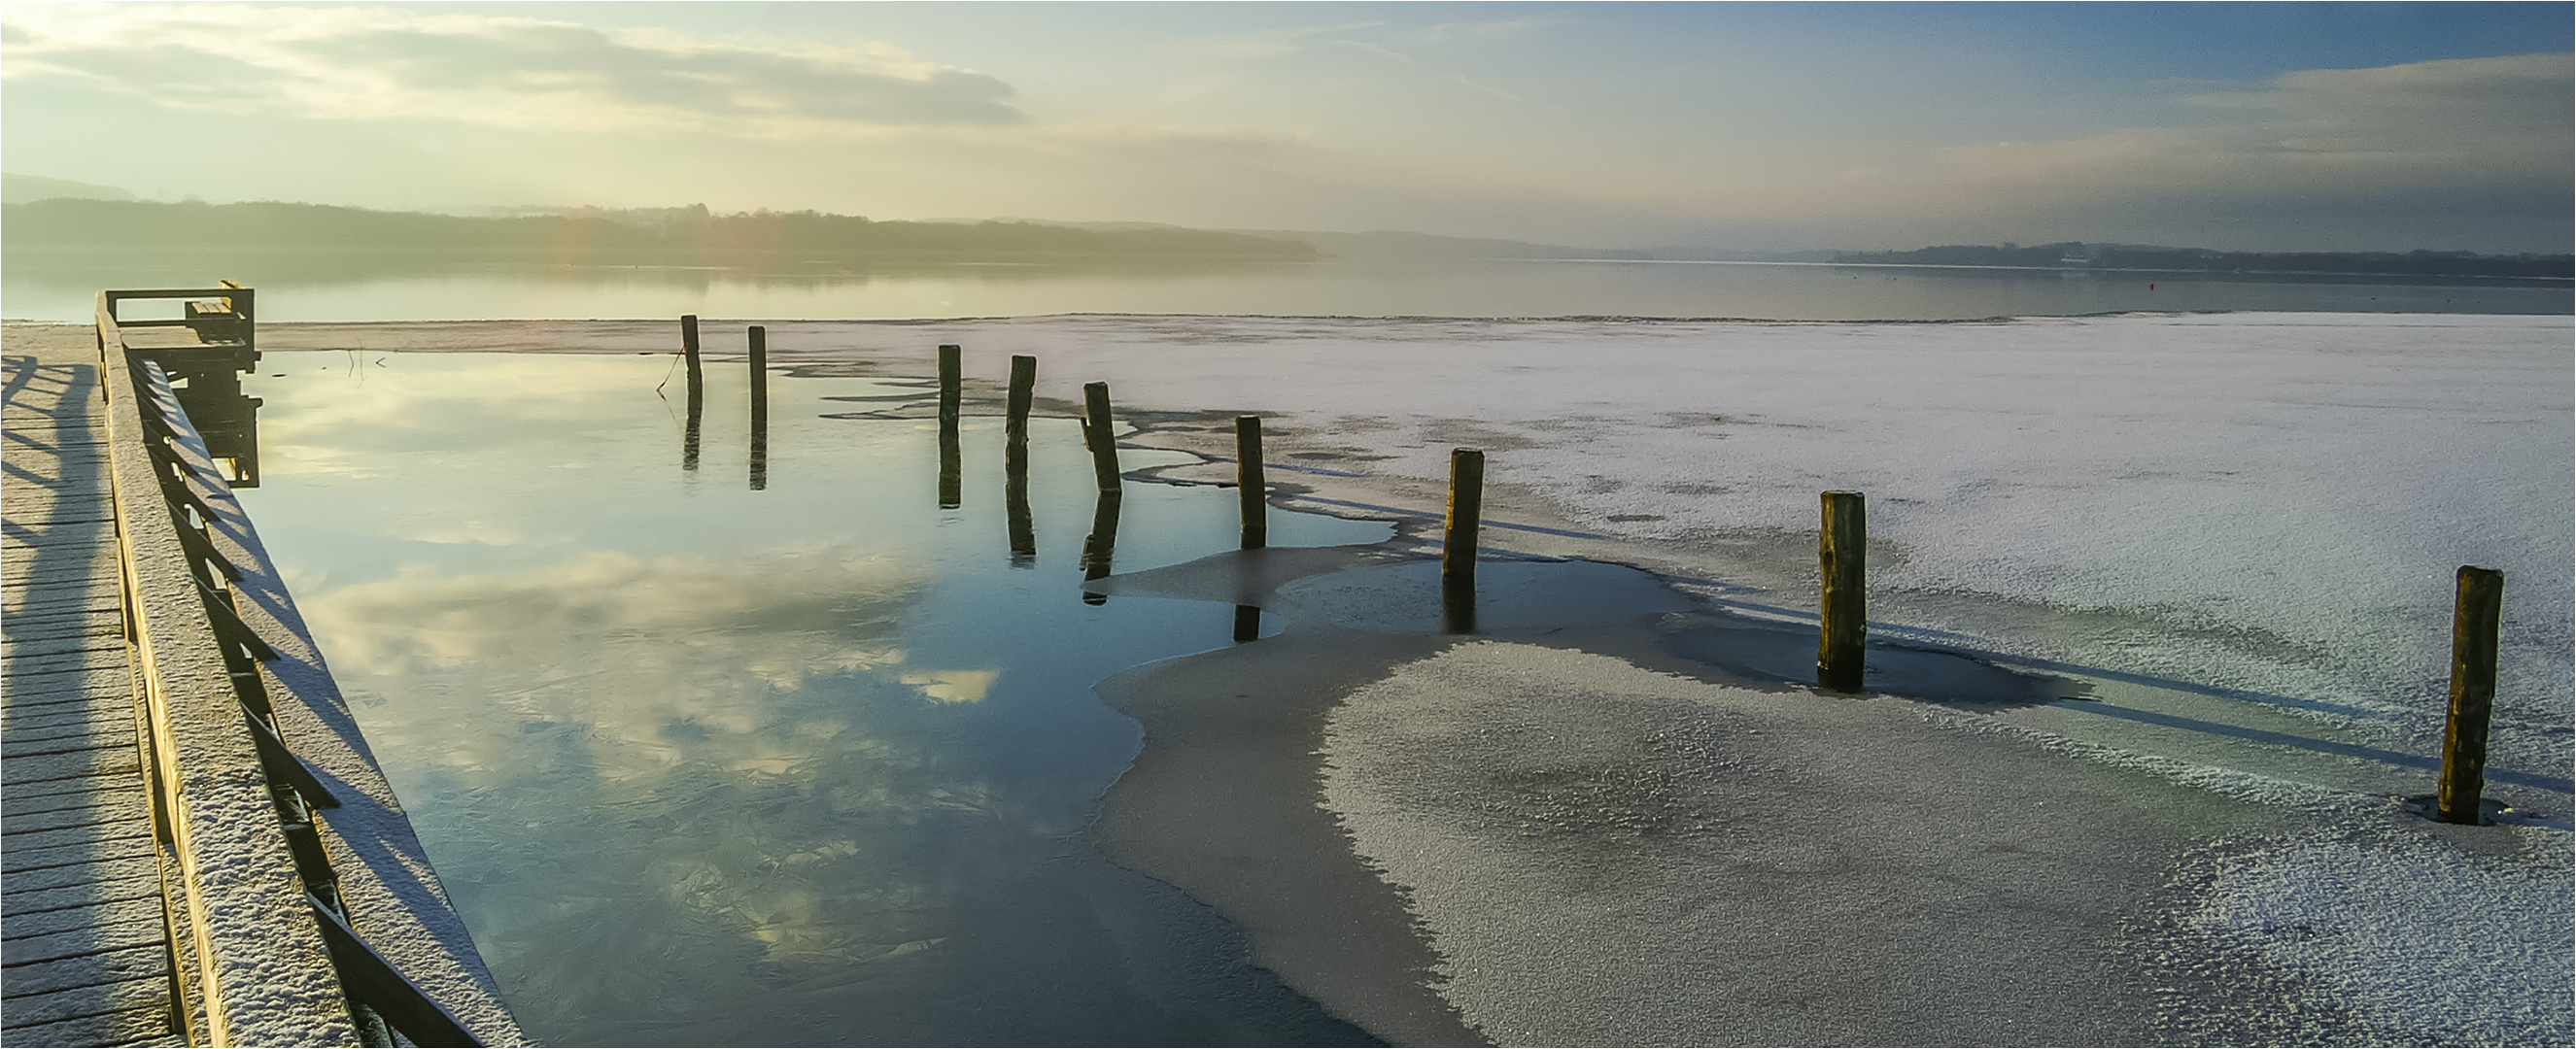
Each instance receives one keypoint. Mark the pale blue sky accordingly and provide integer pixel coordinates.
(2286, 126)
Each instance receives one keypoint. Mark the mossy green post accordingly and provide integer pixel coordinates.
(2477, 624)
(1843, 556)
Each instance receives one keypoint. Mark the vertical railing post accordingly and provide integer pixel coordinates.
(1842, 554)
(1247, 475)
(2477, 623)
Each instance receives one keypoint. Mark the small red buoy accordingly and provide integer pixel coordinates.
(2151, 287)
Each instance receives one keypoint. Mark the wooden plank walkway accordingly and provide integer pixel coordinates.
(85, 954)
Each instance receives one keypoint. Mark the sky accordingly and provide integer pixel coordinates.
(1748, 126)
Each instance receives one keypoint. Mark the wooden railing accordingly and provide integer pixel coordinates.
(263, 948)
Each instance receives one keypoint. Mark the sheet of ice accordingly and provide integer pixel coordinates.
(2433, 944)
(2286, 494)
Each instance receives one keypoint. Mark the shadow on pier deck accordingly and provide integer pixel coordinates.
(196, 847)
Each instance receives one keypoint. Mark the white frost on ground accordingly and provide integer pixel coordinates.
(2432, 944)
(1609, 855)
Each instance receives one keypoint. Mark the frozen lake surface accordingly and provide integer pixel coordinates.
(2239, 528)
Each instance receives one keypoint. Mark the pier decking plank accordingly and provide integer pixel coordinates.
(84, 953)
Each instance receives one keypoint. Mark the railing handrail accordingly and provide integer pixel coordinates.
(261, 969)
(260, 976)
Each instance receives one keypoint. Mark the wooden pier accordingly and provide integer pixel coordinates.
(196, 847)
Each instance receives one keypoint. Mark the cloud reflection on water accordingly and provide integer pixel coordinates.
(699, 746)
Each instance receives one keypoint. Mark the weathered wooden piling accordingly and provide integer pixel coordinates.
(689, 440)
(760, 373)
(1101, 545)
(759, 408)
(689, 350)
(1842, 554)
(1247, 623)
(1466, 513)
(952, 378)
(1024, 384)
(1247, 475)
(2477, 623)
(1099, 435)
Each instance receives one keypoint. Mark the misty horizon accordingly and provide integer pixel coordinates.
(26, 189)
(1753, 128)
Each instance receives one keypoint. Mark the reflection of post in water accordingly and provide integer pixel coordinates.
(1015, 496)
(1247, 623)
(1103, 541)
(759, 407)
(228, 421)
(1015, 462)
(952, 465)
(697, 391)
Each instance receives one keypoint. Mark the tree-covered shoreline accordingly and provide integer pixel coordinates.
(2078, 255)
(690, 235)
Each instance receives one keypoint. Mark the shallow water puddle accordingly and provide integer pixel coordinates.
(809, 764)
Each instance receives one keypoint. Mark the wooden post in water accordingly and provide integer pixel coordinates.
(759, 407)
(1247, 475)
(1842, 554)
(2477, 623)
(1100, 437)
(1458, 540)
(697, 391)
(1247, 623)
(1015, 460)
(1466, 512)
(952, 377)
(1024, 383)
(760, 373)
(1102, 544)
(689, 350)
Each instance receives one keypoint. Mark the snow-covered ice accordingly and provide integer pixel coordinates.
(2285, 495)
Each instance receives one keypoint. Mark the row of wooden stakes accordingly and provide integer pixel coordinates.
(1842, 554)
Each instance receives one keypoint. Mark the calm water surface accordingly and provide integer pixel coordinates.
(60, 286)
(707, 765)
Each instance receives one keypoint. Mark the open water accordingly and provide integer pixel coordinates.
(809, 764)
(59, 285)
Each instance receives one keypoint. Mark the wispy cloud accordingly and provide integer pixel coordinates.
(350, 63)
(2488, 120)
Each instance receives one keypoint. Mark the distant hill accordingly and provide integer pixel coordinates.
(24, 189)
(692, 236)
(2076, 255)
